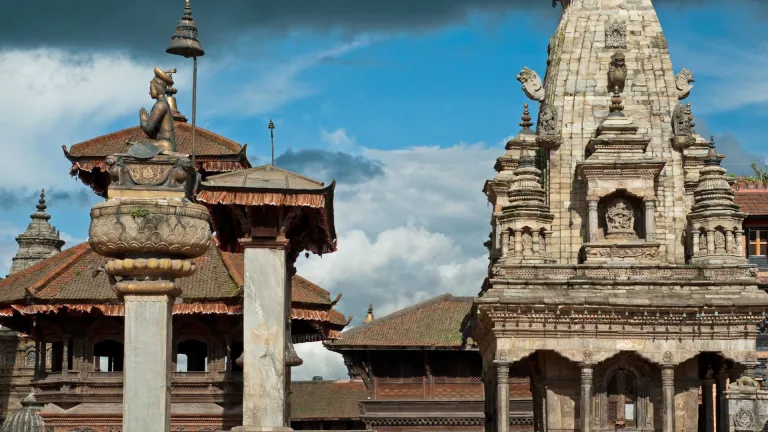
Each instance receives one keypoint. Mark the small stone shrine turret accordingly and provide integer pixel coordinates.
(526, 222)
(26, 418)
(715, 221)
(40, 241)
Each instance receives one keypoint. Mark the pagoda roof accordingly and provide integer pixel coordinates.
(326, 400)
(435, 323)
(753, 202)
(66, 282)
(270, 186)
(213, 152)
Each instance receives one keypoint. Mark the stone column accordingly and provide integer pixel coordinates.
(668, 397)
(729, 242)
(504, 243)
(707, 401)
(740, 242)
(547, 242)
(65, 366)
(586, 397)
(593, 221)
(264, 387)
(147, 367)
(721, 406)
(696, 239)
(535, 238)
(518, 243)
(710, 242)
(502, 398)
(650, 220)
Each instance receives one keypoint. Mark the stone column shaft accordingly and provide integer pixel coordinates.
(668, 397)
(586, 397)
(740, 243)
(707, 400)
(535, 238)
(593, 221)
(547, 241)
(65, 366)
(264, 386)
(710, 242)
(147, 363)
(729, 242)
(650, 220)
(502, 398)
(518, 243)
(504, 243)
(696, 239)
(721, 405)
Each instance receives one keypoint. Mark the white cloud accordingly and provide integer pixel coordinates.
(50, 98)
(338, 139)
(71, 240)
(318, 361)
(410, 235)
(279, 84)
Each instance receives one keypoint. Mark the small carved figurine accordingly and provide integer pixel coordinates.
(683, 82)
(617, 71)
(681, 124)
(547, 121)
(158, 124)
(532, 85)
(620, 219)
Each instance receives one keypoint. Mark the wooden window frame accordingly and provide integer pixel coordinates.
(621, 398)
(761, 248)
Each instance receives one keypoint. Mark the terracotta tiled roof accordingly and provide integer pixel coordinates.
(754, 202)
(207, 143)
(325, 400)
(67, 278)
(433, 323)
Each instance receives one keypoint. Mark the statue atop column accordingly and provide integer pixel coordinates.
(158, 124)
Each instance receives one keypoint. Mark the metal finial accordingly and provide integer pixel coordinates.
(526, 120)
(369, 316)
(271, 127)
(712, 157)
(41, 202)
(184, 41)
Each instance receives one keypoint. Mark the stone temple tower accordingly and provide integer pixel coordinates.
(617, 278)
(39, 241)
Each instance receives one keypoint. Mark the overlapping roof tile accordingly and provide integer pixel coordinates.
(326, 400)
(433, 323)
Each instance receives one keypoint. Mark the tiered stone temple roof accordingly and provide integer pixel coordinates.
(67, 283)
(40, 241)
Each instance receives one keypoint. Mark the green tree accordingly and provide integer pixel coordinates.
(761, 175)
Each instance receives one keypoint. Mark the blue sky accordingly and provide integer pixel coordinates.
(409, 120)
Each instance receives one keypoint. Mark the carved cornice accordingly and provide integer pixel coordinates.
(639, 274)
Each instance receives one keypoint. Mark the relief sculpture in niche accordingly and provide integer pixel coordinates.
(620, 220)
(616, 34)
(681, 124)
(719, 242)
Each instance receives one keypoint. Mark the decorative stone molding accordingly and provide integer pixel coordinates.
(532, 85)
(734, 274)
(622, 252)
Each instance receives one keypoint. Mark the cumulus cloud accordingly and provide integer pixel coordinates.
(410, 234)
(318, 361)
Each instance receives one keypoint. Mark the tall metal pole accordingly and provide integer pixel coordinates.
(194, 106)
(271, 127)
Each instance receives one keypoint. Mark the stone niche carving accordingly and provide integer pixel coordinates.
(547, 135)
(620, 220)
(616, 34)
(683, 82)
(532, 84)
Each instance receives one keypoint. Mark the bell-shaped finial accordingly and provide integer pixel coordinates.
(712, 157)
(184, 41)
(41, 202)
(369, 316)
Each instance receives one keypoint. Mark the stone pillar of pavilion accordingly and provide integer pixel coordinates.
(272, 215)
(150, 228)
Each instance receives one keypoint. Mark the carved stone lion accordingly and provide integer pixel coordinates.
(683, 82)
(617, 71)
(532, 85)
(745, 381)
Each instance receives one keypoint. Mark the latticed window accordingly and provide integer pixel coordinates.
(622, 398)
(758, 242)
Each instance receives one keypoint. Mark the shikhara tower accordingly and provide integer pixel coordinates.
(617, 273)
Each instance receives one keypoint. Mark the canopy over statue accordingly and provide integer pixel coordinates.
(158, 124)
